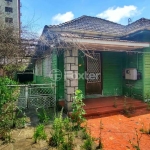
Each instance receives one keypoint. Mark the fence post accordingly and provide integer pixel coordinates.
(26, 95)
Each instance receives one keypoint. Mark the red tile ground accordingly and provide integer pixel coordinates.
(118, 130)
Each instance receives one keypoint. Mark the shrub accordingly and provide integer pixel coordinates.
(57, 135)
(43, 116)
(39, 133)
(68, 143)
(77, 106)
(6, 93)
(88, 143)
(8, 96)
(67, 124)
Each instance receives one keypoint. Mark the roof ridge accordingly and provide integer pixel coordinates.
(67, 22)
(73, 20)
(138, 21)
(105, 20)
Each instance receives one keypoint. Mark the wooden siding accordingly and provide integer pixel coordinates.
(146, 72)
(81, 69)
(112, 73)
(60, 84)
(134, 88)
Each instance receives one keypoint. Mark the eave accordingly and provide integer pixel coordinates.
(103, 45)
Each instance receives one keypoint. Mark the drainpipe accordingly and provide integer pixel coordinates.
(26, 95)
(137, 61)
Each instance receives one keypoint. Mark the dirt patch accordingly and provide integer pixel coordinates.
(23, 140)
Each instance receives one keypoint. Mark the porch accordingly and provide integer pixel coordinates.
(105, 106)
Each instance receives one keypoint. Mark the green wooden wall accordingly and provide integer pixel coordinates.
(112, 73)
(134, 88)
(81, 69)
(146, 72)
(60, 83)
(113, 65)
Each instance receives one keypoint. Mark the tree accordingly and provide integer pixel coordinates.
(13, 50)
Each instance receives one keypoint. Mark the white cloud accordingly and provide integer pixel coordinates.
(116, 14)
(60, 18)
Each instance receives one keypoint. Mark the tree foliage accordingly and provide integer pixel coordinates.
(13, 49)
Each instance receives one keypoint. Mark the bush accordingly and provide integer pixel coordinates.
(8, 96)
(39, 133)
(77, 106)
(88, 143)
(57, 135)
(43, 116)
(6, 93)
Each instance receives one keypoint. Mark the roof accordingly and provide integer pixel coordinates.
(89, 23)
(91, 29)
(102, 26)
(141, 24)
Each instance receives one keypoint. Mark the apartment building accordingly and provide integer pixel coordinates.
(10, 12)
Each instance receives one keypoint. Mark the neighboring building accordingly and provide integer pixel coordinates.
(10, 12)
(29, 47)
(99, 57)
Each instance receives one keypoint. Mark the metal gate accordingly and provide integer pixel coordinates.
(93, 80)
(36, 95)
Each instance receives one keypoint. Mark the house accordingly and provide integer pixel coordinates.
(100, 57)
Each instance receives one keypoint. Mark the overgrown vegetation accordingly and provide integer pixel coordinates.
(57, 134)
(136, 145)
(128, 109)
(115, 100)
(9, 111)
(77, 108)
(100, 144)
(44, 115)
(88, 143)
(145, 130)
(39, 133)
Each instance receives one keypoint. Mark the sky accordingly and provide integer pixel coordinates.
(38, 13)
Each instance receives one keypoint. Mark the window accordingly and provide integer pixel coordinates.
(8, 0)
(8, 9)
(8, 20)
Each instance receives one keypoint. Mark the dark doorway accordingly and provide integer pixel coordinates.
(24, 77)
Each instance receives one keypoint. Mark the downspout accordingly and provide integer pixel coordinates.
(137, 61)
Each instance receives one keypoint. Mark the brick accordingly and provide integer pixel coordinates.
(76, 88)
(67, 67)
(74, 52)
(74, 67)
(70, 90)
(68, 75)
(76, 60)
(67, 53)
(75, 74)
(70, 60)
(74, 83)
(68, 83)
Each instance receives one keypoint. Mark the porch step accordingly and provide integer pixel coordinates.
(103, 111)
(104, 106)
